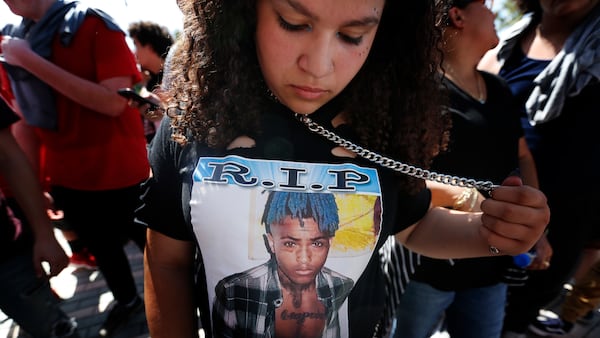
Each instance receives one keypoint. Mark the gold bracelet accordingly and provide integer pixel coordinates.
(474, 198)
(467, 197)
(462, 199)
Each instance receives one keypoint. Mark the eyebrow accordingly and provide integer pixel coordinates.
(365, 21)
(311, 239)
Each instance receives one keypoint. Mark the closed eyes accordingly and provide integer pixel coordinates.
(308, 28)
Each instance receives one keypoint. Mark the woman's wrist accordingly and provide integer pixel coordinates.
(467, 200)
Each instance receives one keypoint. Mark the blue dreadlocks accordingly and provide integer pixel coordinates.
(320, 206)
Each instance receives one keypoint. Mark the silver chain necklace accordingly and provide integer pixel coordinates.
(393, 164)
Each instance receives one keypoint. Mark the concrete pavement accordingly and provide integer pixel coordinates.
(86, 298)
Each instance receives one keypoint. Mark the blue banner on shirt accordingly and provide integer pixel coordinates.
(283, 175)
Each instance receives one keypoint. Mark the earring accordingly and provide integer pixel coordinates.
(272, 96)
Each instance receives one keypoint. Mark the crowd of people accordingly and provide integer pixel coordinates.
(486, 141)
(293, 141)
(549, 61)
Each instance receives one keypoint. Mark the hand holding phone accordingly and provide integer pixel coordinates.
(132, 95)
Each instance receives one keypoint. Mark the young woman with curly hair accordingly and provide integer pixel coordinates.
(258, 89)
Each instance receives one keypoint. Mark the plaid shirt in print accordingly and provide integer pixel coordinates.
(245, 302)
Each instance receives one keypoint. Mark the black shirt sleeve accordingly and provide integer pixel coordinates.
(412, 208)
(163, 204)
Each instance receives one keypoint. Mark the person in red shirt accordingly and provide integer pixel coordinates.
(95, 147)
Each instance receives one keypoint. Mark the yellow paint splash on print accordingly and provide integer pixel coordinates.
(357, 232)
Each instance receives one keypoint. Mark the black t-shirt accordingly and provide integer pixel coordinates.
(15, 235)
(565, 145)
(566, 150)
(214, 199)
(483, 144)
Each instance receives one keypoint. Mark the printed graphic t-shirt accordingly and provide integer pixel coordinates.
(220, 201)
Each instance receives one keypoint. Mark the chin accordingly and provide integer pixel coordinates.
(303, 281)
(305, 109)
(302, 107)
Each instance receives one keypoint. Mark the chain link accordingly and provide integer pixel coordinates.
(393, 164)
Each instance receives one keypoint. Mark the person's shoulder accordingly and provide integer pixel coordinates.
(245, 277)
(492, 77)
(336, 277)
(494, 81)
(80, 16)
(489, 62)
(338, 284)
(100, 23)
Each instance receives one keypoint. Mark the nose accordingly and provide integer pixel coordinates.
(317, 58)
(303, 255)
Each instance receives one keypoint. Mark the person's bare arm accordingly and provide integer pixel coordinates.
(17, 171)
(168, 287)
(28, 140)
(489, 62)
(438, 235)
(527, 165)
(101, 97)
(543, 248)
(458, 198)
(512, 221)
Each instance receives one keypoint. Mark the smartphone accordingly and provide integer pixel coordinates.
(132, 95)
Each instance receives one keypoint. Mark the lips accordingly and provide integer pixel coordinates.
(304, 272)
(309, 93)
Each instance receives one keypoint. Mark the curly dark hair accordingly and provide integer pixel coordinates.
(153, 34)
(217, 90)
